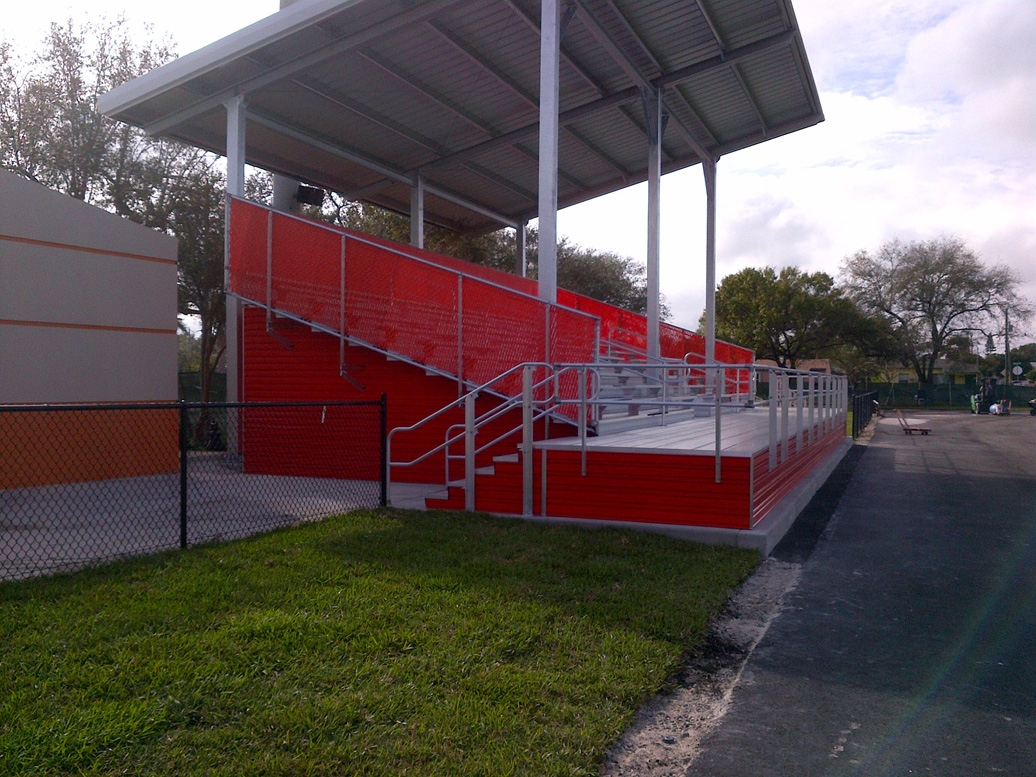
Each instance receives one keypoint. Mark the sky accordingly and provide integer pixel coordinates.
(930, 131)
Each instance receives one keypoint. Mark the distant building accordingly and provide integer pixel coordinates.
(945, 371)
(822, 366)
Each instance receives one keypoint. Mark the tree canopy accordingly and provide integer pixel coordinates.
(790, 315)
(50, 130)
(931, 292)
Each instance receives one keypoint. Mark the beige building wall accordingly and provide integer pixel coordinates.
(87, 302)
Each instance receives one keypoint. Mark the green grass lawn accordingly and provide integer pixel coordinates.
(377, 643)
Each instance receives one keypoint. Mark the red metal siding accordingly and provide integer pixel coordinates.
(301, 365)
(771, 486)
(677, 489)
(649, 487)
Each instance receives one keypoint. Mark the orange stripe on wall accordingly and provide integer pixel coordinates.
(95, 327)
(74, 446)
(86, 250)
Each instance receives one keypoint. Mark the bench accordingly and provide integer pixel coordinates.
(907, 428)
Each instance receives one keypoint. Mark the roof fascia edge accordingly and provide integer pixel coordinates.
(279, 24)
(772, 133)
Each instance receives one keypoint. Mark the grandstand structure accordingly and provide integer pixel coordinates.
(505, 393)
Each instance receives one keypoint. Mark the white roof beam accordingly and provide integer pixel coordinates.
(510, 84)
(333, 149)
(683, 74)
(373, 116)
(712, 25)
(565, 58)
(736, 70)
(633, 71)
(611, 102)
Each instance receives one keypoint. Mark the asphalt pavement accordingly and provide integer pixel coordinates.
(908, 645)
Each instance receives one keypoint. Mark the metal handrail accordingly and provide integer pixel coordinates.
(359, 238)
(817, 398)
(823, 396)
(471, 424)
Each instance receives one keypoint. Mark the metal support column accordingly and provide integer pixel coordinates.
(521, 265)
(417, 213)
(237, 116)
(656, 129)
(550, 56)
(284, 191)
(708, 166)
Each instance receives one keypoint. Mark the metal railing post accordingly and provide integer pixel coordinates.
(384, 451)
(772, 407)
(460, 335)
(527, 435)
(341, 308)
(582, 418)
(665, 394)
(812, 408)
(269, 269)
(785, 412)
(823, 406)
(469, 452)
(719, 377)
(800, 396)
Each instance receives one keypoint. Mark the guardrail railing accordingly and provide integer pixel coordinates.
(803, 407)
(396, 299)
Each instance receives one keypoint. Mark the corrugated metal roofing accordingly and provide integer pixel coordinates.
(363, 96)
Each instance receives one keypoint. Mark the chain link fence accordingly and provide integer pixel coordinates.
(86, 484)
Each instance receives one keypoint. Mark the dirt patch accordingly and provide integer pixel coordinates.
(668, 732)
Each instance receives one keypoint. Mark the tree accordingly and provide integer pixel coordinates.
(196, 218)
(50, 130)
(601, 275)
(791, 316)
(929, 292)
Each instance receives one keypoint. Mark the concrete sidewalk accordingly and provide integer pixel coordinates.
(909, 644)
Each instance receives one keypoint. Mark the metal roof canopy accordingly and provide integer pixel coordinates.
(367, 97)
(477, 114)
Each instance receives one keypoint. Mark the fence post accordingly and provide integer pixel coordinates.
(785, 384)
(384, 450)
(183, 474)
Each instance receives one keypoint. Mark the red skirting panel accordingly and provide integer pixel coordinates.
(771, 486)
(676, 489)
